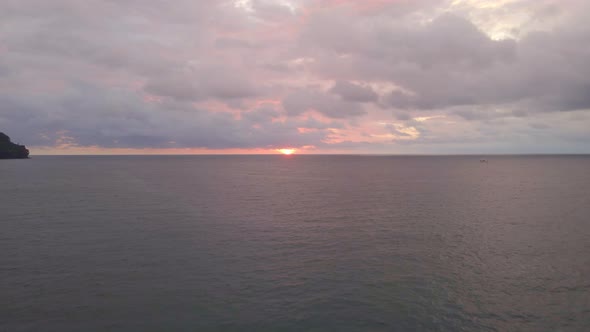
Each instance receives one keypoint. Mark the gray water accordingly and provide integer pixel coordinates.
(300, 243)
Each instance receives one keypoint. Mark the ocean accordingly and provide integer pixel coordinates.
(295, 243)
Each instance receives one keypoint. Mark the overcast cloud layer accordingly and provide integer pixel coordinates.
(373, 76)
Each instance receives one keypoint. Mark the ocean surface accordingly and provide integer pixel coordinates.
(295, 243)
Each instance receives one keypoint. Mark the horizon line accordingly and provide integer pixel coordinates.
(322, 154)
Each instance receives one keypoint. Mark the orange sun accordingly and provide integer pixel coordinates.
(286, 151)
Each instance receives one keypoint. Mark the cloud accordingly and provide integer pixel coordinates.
(265, 74)
(312, 98)
(449, 62)
(202, 83)
(92, 116)
(353, 92)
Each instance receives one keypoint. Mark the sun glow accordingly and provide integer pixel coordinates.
(286, 151)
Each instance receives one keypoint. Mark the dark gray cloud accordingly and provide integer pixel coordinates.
(450, 62)
(313, 98)
(203, 83)
(107, 118)
(354, 92)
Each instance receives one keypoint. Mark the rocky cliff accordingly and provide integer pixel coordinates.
(9, 150)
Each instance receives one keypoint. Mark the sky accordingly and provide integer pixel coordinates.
(316, 76)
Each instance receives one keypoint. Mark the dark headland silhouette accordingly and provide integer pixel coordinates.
(9, 150)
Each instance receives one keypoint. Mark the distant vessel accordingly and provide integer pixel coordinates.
(483, 160)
